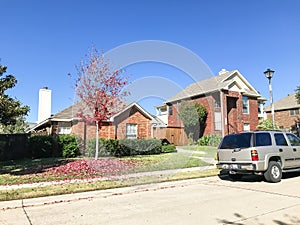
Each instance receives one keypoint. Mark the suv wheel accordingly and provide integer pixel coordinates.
(273, 173)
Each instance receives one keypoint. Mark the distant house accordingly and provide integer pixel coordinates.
(232, 103)
(131, 122)
(286, 113)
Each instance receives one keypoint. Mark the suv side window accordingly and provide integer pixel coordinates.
(280, 140)
(262, 139)
(294, 140)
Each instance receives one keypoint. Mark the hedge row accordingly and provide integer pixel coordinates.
(124, 147)
(68, 146)
(43, 146)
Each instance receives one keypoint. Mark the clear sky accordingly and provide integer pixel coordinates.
(42, 41)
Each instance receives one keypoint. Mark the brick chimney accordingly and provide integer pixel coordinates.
(223, 71)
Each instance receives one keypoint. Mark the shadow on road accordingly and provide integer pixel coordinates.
(255, 178)
(243, 178)
(240, 220)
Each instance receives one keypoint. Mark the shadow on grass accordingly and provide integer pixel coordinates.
(30, 166)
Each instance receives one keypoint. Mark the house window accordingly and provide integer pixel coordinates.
(246, 127)
(259, 108)
(64, 130)
(294, 112)
(131, 131)
(217, 102)
(218, 121)
(245, 105)
(170, 110)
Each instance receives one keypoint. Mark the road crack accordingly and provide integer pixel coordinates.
(26, 214)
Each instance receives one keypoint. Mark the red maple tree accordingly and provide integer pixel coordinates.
(99, 89)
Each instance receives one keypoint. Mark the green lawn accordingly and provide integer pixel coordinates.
(205, 151)
(54, 169)
(33, 171)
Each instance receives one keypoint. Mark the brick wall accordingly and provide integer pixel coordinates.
(252, 117)
(108, 130)
(133, 116)
(236, 118)
(232, 113)
(173, 119)
(283, 119)
(208, 103)
(81, 128)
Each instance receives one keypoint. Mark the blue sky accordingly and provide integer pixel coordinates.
(42, 41)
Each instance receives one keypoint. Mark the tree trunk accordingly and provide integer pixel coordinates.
(97, 140)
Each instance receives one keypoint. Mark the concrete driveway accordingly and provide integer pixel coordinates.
(198, 201)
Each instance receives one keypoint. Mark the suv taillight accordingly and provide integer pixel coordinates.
(254, 155)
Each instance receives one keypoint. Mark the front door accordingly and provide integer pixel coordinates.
(232, 115)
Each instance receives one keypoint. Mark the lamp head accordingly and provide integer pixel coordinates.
(269, 73)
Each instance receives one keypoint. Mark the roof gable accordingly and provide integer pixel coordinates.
(227, 80)
(132, 105)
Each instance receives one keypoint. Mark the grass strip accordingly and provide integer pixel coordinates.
(70, 188)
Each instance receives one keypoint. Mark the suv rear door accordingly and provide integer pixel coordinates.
(286, 151)
(295, 143)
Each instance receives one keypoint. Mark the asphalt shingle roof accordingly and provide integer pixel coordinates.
(289, 102)
(221, 81)
(67, 113)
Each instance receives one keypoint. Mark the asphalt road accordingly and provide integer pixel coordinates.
(198, 201)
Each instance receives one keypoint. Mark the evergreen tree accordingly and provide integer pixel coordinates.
(11, 108)
(193, 116)
(298, 94)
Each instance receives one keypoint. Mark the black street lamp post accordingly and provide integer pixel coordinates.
(269, 74)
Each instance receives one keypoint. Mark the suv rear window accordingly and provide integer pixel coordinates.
(233, 141)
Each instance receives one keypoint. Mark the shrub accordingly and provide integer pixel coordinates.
(69, 145)
(130, 147)
(105, 147)
(124, 147)
(168, 149)
(210, 140)
(41, 146)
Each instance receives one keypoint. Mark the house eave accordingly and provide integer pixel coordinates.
(192, 96)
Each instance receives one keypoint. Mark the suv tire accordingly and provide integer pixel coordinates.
(274, 172)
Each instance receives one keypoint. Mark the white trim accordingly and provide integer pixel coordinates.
(130, 106)
(251, 88)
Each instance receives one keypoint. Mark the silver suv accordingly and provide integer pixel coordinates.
(260, 152)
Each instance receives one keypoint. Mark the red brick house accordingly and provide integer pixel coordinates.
(131, 122)
(232, 103)
(286, 113)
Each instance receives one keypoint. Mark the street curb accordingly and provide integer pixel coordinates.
(90, 195)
